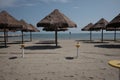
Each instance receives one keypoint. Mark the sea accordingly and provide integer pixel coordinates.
(66, 36)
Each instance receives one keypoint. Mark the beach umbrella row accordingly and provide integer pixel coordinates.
(102, 24)
(99, 25)
(9, 23)
(27, 28)
(56, 21)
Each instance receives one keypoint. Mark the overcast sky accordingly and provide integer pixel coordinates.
(81, 12)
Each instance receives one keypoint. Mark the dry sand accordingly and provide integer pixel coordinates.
(45, 62)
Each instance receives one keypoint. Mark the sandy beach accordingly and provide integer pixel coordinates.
(46, 62)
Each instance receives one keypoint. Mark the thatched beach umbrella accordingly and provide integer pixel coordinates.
(114, 24)
(100, 25)
(26, 28)
(56, 20)
(8, 22)
(88, 28)
(34, 29)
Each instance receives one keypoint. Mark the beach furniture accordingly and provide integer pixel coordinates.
(22, 47)
(116, 64)
(77, 46)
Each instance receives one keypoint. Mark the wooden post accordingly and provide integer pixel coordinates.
(5, 37)
(90, 35)
(56, 36)
(115, 35)
(30, 36)
(22, 37)
(102, 36)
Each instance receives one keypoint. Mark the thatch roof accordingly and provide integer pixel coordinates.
(8, 30)
(113, 29)
(56, 19)
(115, 22)
(26, 26)
(88, 27)
(34, 29)
(8, 21)
(101, 24)
(53, 29)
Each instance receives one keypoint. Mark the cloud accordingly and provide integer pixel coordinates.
(19, 3)
(76, 7)
(7, 3)
(62, 1)
(30, 4)
(26, 4)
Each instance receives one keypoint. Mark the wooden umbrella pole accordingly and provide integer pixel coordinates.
(5, 37)
(56, 36)
(102, 36)
(115, 35)
(90, 35)
(30, 36)
(22, 37)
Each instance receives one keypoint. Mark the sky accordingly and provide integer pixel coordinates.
(82, 12)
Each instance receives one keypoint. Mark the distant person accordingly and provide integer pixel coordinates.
(69, 35)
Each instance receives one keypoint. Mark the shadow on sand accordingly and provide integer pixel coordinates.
(4, 46)
(108, 46)
(42, 47)
(95, 42)
(14, 57)
(69, 58)
(46, 42)
(92, 41)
